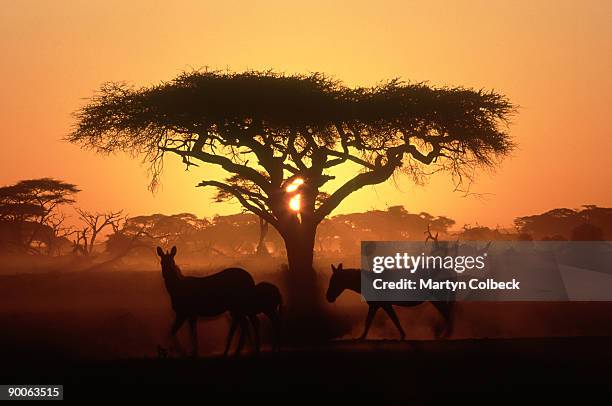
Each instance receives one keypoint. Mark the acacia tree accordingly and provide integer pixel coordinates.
(31, 208)
(224, 195)
(266, 130)
(95, 223)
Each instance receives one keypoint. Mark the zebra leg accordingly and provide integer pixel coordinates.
(276, 329)
(446, 311)
(244, 332)
(389, 309)
(372, 309)
(193, 326)
(178, 322)
(255, 323)
(230, 336)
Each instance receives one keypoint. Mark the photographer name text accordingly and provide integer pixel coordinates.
(432, 284)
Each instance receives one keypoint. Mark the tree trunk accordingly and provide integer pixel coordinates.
(262, 250)
(300, 245)
(306, 318)
(302, 277)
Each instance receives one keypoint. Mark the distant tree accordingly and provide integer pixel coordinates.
(561, 223)
(223, 231)
(121, 242)
(30, 209)
(524, 237)
(59, 233)
(600, 217)
(157, 229)
(224, 195)
(262, 250)
(94, 224)
(587, 232)
(555, 237)
(482, 233)
(553, 222)
(282, 138)
(345, 231)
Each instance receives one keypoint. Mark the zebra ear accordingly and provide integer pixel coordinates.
(173, 251)
(160, 252)
(333, 268)
(339, 266)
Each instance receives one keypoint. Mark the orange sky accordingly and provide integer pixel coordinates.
(551, 57)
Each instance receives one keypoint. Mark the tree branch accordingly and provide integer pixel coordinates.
(379, 175)
(225, 163)
(260, 211)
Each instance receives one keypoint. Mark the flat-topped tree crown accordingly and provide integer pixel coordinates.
(299, 125)
(267, 129)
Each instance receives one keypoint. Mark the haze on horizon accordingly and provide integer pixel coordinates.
(551, 58)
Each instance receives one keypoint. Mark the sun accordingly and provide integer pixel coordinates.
(295, 202)
(293, 186)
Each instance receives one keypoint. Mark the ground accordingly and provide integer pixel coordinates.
(102, 329)
(374, 368)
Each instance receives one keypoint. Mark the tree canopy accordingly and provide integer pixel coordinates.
(265, 128)
(565, 223)
(28, 209)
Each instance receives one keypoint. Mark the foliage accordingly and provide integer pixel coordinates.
(265, 128)
(562, 223)
(29, 212)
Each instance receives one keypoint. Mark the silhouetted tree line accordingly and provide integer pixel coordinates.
(33, 219)
(32, 222)
(225, 236)
(589, 223)
(343, 233)
(218, 236)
